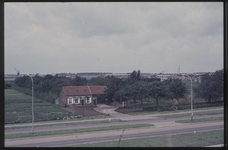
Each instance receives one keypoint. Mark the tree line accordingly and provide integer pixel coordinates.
(123, 89)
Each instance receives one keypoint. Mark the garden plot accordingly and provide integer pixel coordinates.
(18, 108)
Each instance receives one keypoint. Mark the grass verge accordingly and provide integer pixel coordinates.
(74, 123)
(53, 121)
(142, 142)
(164, 112)
(214, 112)
(199, 139)
(200, 120)
(71, 131)
(181, 140)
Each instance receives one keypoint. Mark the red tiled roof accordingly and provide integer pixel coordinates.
(83, 90)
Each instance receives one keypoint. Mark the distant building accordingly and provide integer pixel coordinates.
(119, 75)
(163, 77)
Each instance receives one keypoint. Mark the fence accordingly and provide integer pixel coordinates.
(22, 118)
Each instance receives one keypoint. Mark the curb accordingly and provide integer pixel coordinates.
(219, 145)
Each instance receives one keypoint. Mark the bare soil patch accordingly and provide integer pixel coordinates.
(84, 111)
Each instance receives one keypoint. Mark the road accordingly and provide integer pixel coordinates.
(163, 126)
(153, 120)
(80, 138)
(117, 116)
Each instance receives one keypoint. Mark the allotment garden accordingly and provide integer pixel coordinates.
(18, 108)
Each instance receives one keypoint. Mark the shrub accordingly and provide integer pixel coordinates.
(175, 102)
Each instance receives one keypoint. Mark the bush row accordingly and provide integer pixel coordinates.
(44, 96)
(17, 118)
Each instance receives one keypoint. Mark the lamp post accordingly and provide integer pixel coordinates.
(32, 105)
(191, 99)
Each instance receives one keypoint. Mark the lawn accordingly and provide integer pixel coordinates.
(176, 111)
(143, 142)
(213, 112)
(199, 139)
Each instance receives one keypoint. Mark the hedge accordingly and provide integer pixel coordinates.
(182, 107)
(43, 96)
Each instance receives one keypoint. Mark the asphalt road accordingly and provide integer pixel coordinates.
(129, 117)
(163, 126)
(80, 138)
(152, 120)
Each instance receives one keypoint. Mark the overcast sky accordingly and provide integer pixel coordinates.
(113, 37)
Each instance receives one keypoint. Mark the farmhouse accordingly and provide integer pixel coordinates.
(80, 95)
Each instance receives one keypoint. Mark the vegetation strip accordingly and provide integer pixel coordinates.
(71, 131)
(200, 120)
(176, 111)
(77, 119)
(195, 113)
(181, 140)
(87, 122)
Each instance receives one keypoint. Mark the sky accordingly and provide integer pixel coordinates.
(113, 37)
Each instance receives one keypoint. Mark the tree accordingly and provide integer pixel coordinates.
(211, 86)
(7, 85)
(125, 93)
(150, 79)
(113, 85)
(23, 81)
(177, 89)
(157, 90)
(139, 91)
(97, 81)
(134, 76)
(77, 81)
(134, 91)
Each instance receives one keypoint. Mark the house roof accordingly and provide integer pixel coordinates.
(84, 90)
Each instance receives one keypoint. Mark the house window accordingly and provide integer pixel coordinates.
(70, 100)
(88, 100)
(76, 100)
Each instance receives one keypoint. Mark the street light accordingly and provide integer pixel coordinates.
(32, 105)
(191, 99)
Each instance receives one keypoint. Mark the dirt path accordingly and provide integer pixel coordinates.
(108, 109)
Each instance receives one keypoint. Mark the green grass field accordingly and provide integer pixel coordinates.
(212, 112)
(200, 139)
(18, 108)
(176, 111)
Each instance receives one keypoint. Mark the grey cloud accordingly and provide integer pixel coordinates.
(150, 37)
